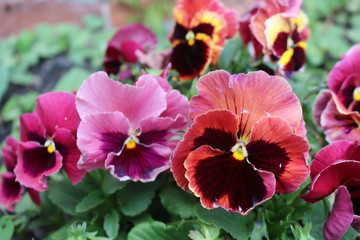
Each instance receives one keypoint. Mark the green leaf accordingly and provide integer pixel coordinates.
(157, 230)
(259, 231)
(4, 78)
(110, 184)
(90, 201)
(64, 195)
(237, 225)
(93, 22)
(178, 202)
(17, 105)
(26, 205)
(6, 228)
(302, 233)
(136, 197)
(111, 224)
(71, 80)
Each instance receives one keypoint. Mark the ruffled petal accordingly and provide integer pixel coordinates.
(9, 153)
(100, 134)
(35, 163)
(333, 152)
(65, 143)
(57, 110)
(328, 180)
(340, 217)
(218, 129)
(100, 93)
(142, 163)
(222, 181)
(320, 104)
(10, 190)
(250, 96)
(31, 129)
(273, 147)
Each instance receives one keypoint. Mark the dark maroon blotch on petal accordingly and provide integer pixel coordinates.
(215, 138)
(37, 161)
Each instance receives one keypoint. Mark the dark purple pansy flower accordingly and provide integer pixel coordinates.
(10, 189)
(121, 51)
(129, 129)
(336, 168)
(48, 141)
(337, 110)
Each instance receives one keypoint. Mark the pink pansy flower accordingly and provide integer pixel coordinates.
(10, 189)
(336, 167)
(129, 129)
(124, 48)
(279, 29)
(199, 35)
(247, 141)
(48, 141)
(337, 110)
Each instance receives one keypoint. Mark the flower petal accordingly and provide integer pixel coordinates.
(333, 152)
(100, 93)
(34, 164)
(217, 129)
(100, 134)
(10, 190)
(250, 96)
(57, 110)
(273, 147)
(222, 181)
(328, 180)
(320, 104)
(65, 143)
(31, 129)
(143, 163)
(34, 195)
(340, 216)
(9, 153)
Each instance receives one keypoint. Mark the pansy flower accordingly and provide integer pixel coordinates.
(337, 109)
(336, 168)
(127, 129)
(10, 189)
(121, 51)
(199, 35)
(247, 141)
(48, 141)
(280, 30)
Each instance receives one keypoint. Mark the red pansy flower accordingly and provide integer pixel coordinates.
(199, 35)
(336, 167)
(280, 30)
(247, 141)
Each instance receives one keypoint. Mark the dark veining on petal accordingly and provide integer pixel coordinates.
(224, 176)
(150, 137)
(112, 142)
(33, 136)
(37, 161)
(268, 156)
(215, 138)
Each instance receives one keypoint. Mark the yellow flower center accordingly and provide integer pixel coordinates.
(239, 152)
(356, 94)
(50, 146)
(190, 37)
(130, 144)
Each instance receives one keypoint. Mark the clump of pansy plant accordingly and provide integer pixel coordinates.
(48, 141)
(199, 35)
(130, 130)
(247, 141)
(337, 109)
(278, 30)
(125, 47)
(11, 190)
(336, 168)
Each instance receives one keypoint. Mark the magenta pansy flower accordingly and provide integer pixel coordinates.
(336, 168)
(48, 141)
(247, 141)
(127, 129)
(337, 110)
(279, 29)
(10, 189)
(121, 51)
